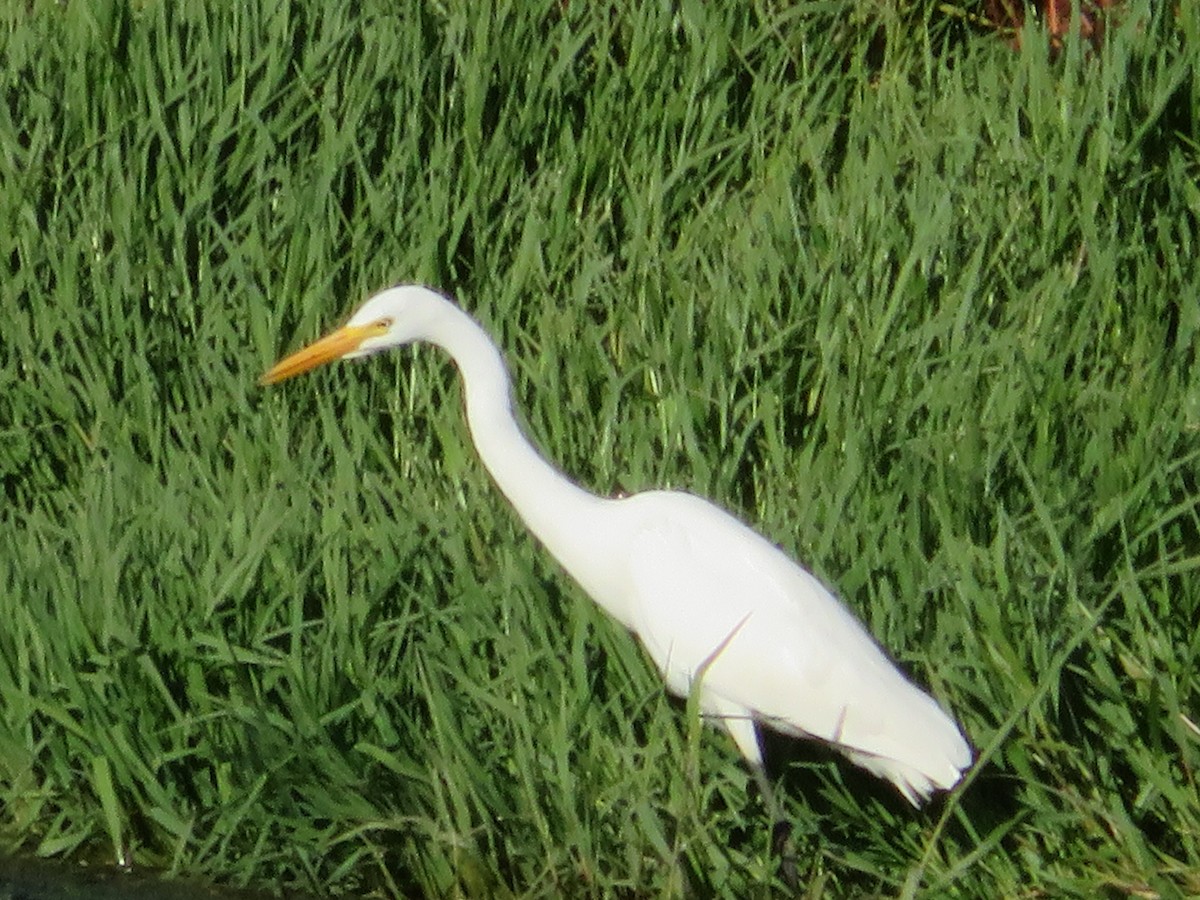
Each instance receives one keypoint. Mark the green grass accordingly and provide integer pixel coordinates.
(931, 323)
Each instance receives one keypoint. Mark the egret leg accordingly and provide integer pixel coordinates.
(781, 829)
(742, 728)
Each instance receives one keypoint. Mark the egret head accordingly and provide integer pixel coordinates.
(391, 318)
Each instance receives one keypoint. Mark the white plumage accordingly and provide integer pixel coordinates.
(713, 602)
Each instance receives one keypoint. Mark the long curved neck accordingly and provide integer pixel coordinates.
(543, 497)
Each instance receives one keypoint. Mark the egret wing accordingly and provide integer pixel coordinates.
(715, 602)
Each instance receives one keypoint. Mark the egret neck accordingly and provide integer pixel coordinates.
(561, 514)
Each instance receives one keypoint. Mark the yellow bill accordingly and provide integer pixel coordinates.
(333, 346)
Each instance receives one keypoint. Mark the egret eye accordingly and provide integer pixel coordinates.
(383, 326)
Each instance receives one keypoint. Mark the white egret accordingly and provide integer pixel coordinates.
(717, 607)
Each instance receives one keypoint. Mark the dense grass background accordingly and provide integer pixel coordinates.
(921, 308)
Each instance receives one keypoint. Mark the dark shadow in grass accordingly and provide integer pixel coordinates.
(36, 879)
(797, 768)
(794, 765)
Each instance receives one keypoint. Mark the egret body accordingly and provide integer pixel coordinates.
(718, 608)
